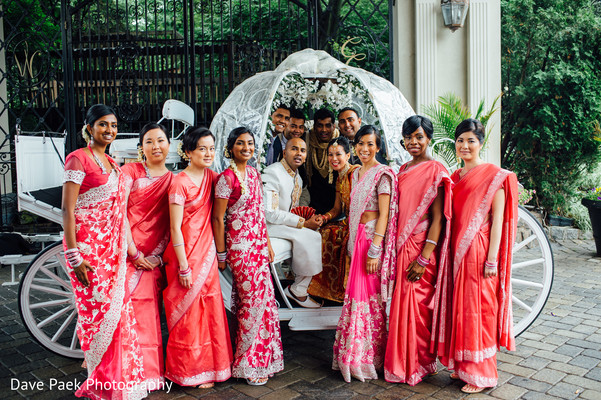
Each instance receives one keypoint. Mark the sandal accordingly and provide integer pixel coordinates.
(256, 381)
(454, 376)
(471, 389)
(207, 385)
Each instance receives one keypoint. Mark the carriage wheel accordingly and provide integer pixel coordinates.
(531, 271)
(47, 303)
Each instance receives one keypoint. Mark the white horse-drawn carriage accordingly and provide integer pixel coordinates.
(46, 300)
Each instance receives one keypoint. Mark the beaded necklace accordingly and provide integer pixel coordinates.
(100, 164)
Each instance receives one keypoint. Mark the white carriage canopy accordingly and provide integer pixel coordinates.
(312, 79)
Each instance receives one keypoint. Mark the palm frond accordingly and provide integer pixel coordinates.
(446, 114)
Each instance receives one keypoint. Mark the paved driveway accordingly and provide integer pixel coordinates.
(558, 357)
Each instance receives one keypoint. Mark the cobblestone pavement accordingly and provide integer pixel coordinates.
(558, 357)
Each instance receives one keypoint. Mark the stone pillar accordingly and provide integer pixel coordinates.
(484, 67)
(426, 52)
(431, 61)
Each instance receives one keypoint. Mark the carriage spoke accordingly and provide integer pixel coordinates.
(74, 339)
(63, 263)
(45, 281)
(518, 246)
(52, 291)
(54, 316)
(521, 304)
(515, 281)
(56, 278)
(50, 303)
(64, 326)
(527, 263)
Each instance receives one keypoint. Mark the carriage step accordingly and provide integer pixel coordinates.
(313, 323)
(13, 260)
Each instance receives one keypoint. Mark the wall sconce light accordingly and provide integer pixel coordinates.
(454, 12)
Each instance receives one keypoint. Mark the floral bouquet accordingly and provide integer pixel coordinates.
(593, 194)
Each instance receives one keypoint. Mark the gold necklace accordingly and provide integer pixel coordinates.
(319, 165)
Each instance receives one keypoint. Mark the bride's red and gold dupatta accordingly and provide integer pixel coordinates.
(416, 306)
(482, 314)
(106, 325)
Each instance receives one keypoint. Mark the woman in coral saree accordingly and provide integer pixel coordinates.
(244, 243)
(483, 231)
(148, 217)
(199, 351)
(95, 248)
(331, 281)
(361, 332)
(422, 259)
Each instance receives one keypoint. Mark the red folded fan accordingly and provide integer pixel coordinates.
(303, 211)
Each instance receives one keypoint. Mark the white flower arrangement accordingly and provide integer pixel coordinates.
(309, 95)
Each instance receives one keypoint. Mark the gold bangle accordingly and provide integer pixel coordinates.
(301, 223)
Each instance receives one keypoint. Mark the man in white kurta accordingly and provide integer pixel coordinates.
(282, 188)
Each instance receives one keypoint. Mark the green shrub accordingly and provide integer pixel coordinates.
(552, 77)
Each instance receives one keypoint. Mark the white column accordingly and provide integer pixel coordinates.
(484, 67)
(426, 24)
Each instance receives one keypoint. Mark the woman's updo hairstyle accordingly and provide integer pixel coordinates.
(471, 125)
(340, 141)
(233, 136)
(415, 122)
(368, 130)
(193, 135)
(94, 113)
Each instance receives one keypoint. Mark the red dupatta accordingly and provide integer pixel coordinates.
(147, 213)
(475, 192)
(423, 181)
(198, 239)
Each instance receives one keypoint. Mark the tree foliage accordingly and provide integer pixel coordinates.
(552, 78)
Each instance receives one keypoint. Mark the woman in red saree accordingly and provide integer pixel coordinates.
(331, 281)
(483, 231)
(361, 332)
(422, 259)
(95, 248)
(199, 351)
(148, 234)
(244, 244)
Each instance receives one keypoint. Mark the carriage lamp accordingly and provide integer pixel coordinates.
(454, 12)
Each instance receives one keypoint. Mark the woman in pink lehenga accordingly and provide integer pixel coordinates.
(95, 248)
(148, 234)
(422, 261)
(485, 213)
(199, 351)
(244, 244)
(361, 333)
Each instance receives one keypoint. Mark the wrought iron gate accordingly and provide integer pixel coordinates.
(59, 57)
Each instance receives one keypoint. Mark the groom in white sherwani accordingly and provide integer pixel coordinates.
(282, 187)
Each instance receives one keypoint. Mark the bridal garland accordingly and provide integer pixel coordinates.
(310, 95)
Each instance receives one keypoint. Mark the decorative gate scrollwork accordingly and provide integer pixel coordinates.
(59, 57)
